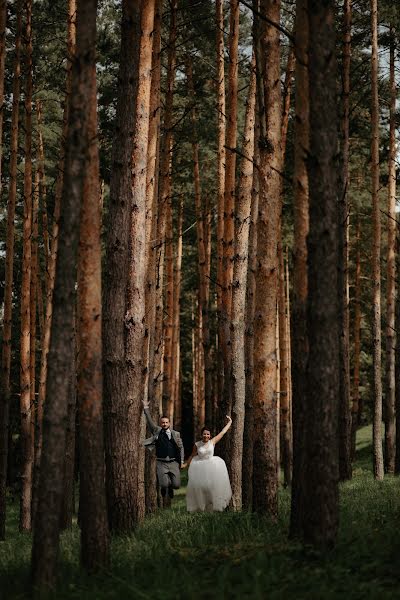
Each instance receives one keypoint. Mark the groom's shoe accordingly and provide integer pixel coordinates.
(171, 492)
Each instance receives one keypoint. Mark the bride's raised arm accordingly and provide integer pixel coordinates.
(223, 431)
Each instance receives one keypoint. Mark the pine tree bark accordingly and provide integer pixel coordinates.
(120, 423)
(321, 497)
(241, 252)
(9, 272)
(300, 276)
(51, 263)
(376, 250)
(47, 522)
(3, 23)
(25, 342)
(357, 344)
(343, 270)
(265, 480)
(92, 495)
(390, 397)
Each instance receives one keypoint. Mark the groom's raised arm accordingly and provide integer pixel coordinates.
(150, 422)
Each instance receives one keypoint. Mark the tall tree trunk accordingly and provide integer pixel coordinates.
(397, 363)
(284, 357)
(343, 271)
(3, 22)
(42, 185)
(120, 431)
(92, 500)
(265, 480)
(164, 210)
(221, 125)
(300, 276)
(151, 232)
(67, 502)
(176, 362)
(376, 250)
(321, 514)
(241, 252)
(135, 306)
(25, 399)
(9, 270)
(390, 398)
(225, 399)
(51, 264)
(357, 345)
(47, 523)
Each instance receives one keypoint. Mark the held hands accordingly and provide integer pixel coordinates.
(229, 423)
(146, 404)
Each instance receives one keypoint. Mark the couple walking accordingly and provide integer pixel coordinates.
(208, 488)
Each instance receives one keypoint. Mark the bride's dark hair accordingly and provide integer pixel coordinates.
(205, 428)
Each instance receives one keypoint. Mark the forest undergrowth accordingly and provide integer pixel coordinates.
(174, 555)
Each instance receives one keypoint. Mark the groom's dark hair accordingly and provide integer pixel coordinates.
(164, 417)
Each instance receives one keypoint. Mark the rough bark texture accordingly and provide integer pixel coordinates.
(225, 400)
(3, 22)
(242, 226)
(9, 270)
(121, 424)
(151, 232)
(357, 345)
(135, 302)
(343, 271)
(92, 501)
(390, 396)
(265, 480)
(51, 263)
(47, 523)
(376, 251)
(321, 510)
(300, 277)
(25, 342)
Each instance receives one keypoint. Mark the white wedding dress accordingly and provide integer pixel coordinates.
(209, 487)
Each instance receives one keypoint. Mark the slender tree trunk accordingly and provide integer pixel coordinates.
(151, 232)
(120, 431)
(397, 363)
(25, 399)
(176, 363)
(343, 271)
(390, 398)
(47, 524)
(51, 266)
(376, 250)
(9, 270)
(67, 502)
(92, 502)
(3, 23)
(42, 185)
(284, 362)
(238, 375)
(357, 345)
(265, 481)
(300, 276)
(221, 126)
(321, 509)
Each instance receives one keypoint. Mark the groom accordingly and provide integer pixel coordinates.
(170, 453)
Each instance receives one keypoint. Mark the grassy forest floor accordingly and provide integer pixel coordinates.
(174, 555)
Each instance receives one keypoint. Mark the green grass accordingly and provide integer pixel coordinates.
(174, 555)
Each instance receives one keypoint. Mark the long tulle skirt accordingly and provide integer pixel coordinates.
(209, 488)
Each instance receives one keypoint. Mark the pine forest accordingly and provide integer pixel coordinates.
(199, 252)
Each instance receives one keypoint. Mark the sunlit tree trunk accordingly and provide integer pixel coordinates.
(120, 431)
(343, 274)
(25, 398)
(300, 277)
(321, 498)
(241, 253)
(390, 398)
(265, 481)
(3, 22)
(376, 250)
(9, 270)
(92, 494)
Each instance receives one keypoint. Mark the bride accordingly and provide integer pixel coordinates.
(209, 488)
